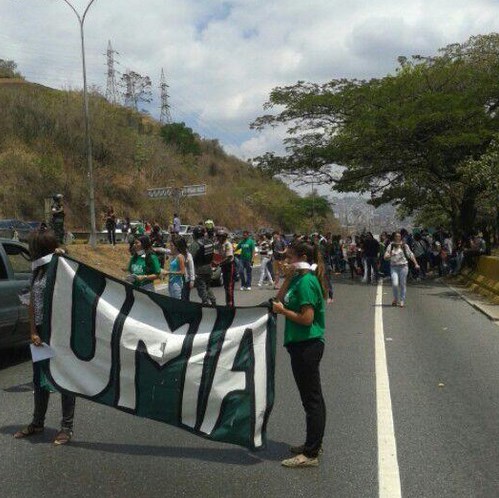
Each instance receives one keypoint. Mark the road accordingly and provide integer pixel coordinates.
(430, 430)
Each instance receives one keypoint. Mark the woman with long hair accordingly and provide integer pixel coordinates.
(301, 301)
(399, 254)
(42, 245)
(176, 272)
(143, 267)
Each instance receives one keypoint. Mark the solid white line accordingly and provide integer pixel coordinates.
(388, 469)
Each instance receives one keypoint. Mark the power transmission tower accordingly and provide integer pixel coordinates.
(111, 90)
(165, 116)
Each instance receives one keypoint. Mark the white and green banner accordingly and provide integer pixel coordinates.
(207, 370)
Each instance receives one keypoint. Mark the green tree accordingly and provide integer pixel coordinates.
(137, 88)
(401, 138)
(182, 137)
(8, 69)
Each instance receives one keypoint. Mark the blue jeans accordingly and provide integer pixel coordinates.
(399, 279)
(175, 289)
(245, 272)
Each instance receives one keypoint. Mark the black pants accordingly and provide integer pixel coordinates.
(42, 401)
(422, 262)
(372, 272)
(186, 291)
(111, 235)
(305, 360)
(229, 276)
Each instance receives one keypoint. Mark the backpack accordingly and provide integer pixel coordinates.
(204, 255)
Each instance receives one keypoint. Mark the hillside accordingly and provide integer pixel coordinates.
(42, 145)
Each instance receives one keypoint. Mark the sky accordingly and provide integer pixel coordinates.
(222, 58)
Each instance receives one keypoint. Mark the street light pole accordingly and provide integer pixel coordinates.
(93, 228)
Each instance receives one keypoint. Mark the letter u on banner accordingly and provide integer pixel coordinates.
(87, 378)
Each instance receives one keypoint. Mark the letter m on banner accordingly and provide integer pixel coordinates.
(207, 370)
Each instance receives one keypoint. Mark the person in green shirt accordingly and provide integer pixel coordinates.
(301, 301)
(144, 267)
(247, 246)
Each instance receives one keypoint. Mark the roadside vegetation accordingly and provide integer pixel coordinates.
(424, 139)
(42, 152)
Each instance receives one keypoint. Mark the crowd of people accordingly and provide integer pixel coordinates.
(301, 268)
(398, 256)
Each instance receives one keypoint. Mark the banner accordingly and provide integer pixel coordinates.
(207, 370)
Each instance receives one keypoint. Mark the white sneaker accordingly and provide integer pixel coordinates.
(259, 285)
(243, 288)
(248, 288)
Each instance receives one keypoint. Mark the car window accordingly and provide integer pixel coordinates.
(18, 257)
(4, 224)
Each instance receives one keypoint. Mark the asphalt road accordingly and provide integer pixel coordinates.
(443, 366)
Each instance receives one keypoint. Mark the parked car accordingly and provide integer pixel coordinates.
(185, 229)
(15, 275)
(9, 229)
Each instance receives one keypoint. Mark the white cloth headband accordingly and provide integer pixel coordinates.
(303, 265)
(41, 261)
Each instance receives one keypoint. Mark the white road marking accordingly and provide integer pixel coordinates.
(388, 468)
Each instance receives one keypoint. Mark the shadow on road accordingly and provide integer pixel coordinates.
(450, 294)
(231, 456)
(275, 451)
(20, 388)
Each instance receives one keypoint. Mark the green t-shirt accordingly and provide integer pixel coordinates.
(247, 247)
(142, 265)
(304, 289)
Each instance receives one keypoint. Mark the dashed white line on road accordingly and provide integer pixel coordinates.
(388, 468)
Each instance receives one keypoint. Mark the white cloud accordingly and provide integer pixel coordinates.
(223, 58)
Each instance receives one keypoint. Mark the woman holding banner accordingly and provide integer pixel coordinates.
(301, 301)
(42, 245)
(144, 267)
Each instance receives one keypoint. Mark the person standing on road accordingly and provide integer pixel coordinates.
(176, 224)
(202, 249)
(325, 246)
(226, 262)
(110, 220)
(247, 246)
(43, 244)
(279, 255)
(301, 301)
(370, 248)
(57, 221)
(143, 267)
(264, 252)
(176, 272)
(209, 226)
(420, 250)
(158, 244)
(190, 275)
(399, 254)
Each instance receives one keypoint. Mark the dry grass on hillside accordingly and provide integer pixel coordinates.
(104, 258)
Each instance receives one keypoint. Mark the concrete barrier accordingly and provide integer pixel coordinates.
(485, 279)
